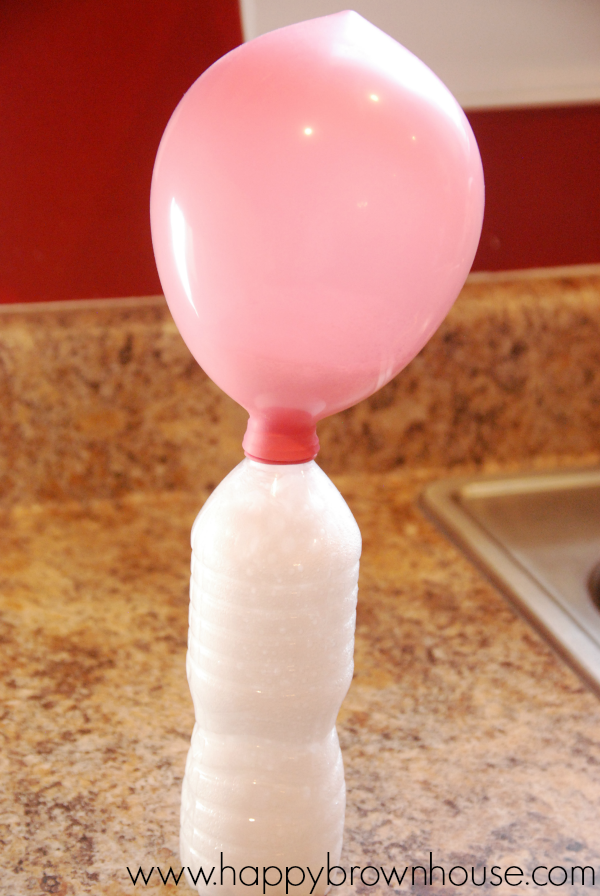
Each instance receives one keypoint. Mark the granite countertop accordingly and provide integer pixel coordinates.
(463, 734)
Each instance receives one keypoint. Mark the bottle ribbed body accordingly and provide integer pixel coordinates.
(275, 554)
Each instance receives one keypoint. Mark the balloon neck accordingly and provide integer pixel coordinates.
(281, 436)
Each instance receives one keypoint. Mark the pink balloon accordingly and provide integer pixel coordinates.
(317, 201)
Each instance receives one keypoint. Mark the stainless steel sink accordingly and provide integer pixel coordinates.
(538, 538)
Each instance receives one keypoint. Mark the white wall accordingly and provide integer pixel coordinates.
(488, 52)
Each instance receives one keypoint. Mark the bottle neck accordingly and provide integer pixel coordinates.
(281, 437)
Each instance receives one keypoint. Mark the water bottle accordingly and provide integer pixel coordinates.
(275, 557)
(317, 201)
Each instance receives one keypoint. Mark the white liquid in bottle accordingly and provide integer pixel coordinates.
(275, 555)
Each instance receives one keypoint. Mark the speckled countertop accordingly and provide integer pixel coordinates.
(462, 733)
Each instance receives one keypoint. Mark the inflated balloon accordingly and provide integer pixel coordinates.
(316, 205)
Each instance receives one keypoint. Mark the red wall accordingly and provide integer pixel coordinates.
(542, 178)
(87, 87)
(86, 90)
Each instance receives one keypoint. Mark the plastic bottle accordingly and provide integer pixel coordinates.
(316, 205)
(275, 556)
